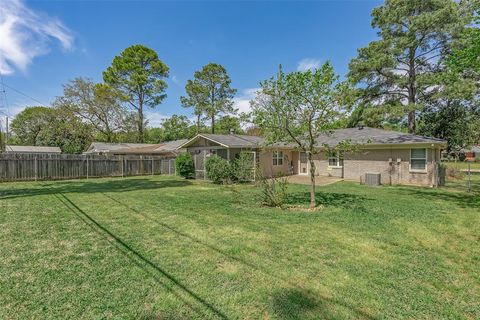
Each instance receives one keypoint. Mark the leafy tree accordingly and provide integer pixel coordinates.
(97, 104)
(196, 98)
(177, 127)
(399, 70)
(298, 107)
(464, 58)
(228, 124)
(28, 124)
(138, 74)
(174, 128)
(452, 121)
(154, 135)
(209, 93)
(66, 131)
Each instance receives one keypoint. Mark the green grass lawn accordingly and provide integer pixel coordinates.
(462, 165)
(166, 248)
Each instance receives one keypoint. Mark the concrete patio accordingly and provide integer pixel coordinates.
(319, 180)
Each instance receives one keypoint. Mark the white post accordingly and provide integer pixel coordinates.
(152, 167)
(169, 166)
(87, 166)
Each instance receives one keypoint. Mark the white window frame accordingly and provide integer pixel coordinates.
(337, 159)
(278, 156)
(425, 160)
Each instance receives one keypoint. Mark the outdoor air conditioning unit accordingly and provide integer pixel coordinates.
(372, 178)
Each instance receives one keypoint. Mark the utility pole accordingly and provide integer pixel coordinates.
(6, 130)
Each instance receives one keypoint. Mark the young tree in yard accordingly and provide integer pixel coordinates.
(298, 107)
(400, 69)
(209, 93)
(27, 125)
(97, 104)
(138, 75)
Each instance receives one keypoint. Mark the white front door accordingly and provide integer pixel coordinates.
(303, 167)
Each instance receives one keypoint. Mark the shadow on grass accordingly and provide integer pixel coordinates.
(301, 304)
(92, 186)
(343, 200)
(167, 280)
(462, 199)
(291, 304)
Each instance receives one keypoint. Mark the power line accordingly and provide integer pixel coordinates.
(26, 95)
(4, 96)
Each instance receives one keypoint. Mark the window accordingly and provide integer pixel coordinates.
(418, 159)
(278, 158)
(335, 161)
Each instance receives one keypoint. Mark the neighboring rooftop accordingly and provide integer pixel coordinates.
(134, 148)
(31, 149)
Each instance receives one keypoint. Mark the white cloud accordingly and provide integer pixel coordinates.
(26, 34)
(308, 64)
(155, 119)
(175, 80)
(242, 101)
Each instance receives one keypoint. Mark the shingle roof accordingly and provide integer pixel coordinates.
(96, 147)
(374, 136)
(170, 146)
(32, 149)
(475, 149)
(364, 135)
(134, 148)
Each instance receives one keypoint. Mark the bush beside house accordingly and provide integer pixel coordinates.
(185, 166)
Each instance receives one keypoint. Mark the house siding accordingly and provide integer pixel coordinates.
(266, 163)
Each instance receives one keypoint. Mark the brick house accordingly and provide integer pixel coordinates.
(400, 158)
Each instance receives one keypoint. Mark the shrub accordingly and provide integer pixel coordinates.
(185, 166)
(274, 190)
(219, 170)
(243, 167)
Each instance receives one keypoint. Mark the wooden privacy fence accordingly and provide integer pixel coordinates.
(25, 167)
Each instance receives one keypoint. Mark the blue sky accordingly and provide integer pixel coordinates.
(46, 43)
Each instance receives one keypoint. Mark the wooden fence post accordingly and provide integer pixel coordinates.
(36, 168)
(122, 160)
(87, 166)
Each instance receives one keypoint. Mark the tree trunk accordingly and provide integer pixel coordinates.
(411, 122)
(412, 90)
(213, 124)
(141, 137)
(313, 201)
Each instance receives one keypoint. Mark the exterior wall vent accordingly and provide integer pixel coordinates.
(372, 178)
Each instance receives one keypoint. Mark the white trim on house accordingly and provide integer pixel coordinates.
(425, 161)
(278, 156)
(300, 164)
(202, 136)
